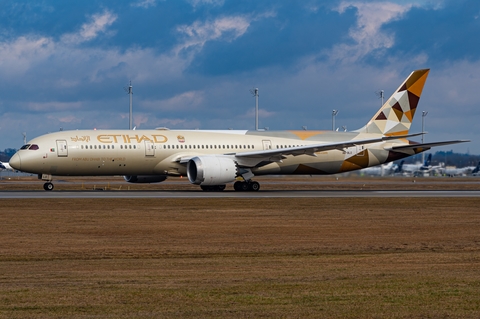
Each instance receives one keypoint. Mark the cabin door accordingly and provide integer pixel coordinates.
(62, 150)
(149, 148)
(267, 144)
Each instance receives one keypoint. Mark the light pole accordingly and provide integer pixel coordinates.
(129, 91)
(255, 94)
(424, 114)
(334, 113)
(380, 95)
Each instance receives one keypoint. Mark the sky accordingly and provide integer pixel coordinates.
(194, 63)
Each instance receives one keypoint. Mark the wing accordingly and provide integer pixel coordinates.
(251, 159)
(262, 157)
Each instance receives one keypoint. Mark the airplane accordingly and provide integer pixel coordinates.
(417, 169)
(214, 158)
(380, 170)
(447, 171)
(5, 166)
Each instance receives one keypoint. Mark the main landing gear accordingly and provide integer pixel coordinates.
(246, 186)
(239, 186)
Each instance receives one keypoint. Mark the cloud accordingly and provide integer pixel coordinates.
(181, 102)
(19, 55)
(54, 106)
(144, 3)
(368, 35)
(225, 28)
(250, 114)
(196, 3)
(91, 30)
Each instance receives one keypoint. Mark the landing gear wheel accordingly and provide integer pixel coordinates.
(48, 186)
(254, 186)
(246, 186)
(237, 186)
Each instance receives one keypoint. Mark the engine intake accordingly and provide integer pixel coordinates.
(145, 178)
(211, 170)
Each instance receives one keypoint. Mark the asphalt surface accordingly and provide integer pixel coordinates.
(233, 194)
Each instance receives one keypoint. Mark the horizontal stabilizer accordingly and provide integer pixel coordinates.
(424, 145)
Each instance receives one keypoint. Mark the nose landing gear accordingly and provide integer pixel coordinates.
(48, 186)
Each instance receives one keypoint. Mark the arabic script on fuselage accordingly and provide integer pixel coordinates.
(84, 138)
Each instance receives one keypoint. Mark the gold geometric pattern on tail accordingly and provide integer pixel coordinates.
(396, 115)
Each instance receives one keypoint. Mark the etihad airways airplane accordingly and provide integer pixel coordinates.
(213, 159)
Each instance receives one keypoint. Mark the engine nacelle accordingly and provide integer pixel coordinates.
(211, 170)
(145, 178)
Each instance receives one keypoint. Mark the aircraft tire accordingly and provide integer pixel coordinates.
(246, 186)
(254, 186)
(237, 186)
(48, 186)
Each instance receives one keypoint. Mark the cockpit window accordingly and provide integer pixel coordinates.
(32, 147)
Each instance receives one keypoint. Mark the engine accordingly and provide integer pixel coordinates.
(145, 178)
(211, 170)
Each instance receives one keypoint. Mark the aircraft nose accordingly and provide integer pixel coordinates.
(15, 162)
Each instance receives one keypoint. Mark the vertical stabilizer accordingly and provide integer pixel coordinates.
(428, 160)
(396, 115)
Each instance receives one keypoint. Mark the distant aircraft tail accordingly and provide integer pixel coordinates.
(395, 116)
(399, 168)
(428, 160)
(476, 169)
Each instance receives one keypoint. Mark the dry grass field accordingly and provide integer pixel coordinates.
(240, 258)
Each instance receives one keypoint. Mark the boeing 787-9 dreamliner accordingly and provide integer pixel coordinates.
(213, 159)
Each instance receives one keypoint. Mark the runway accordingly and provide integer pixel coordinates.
(233, 194)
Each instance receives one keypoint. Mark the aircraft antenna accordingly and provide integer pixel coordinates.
(129, 91)
(255, 93)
